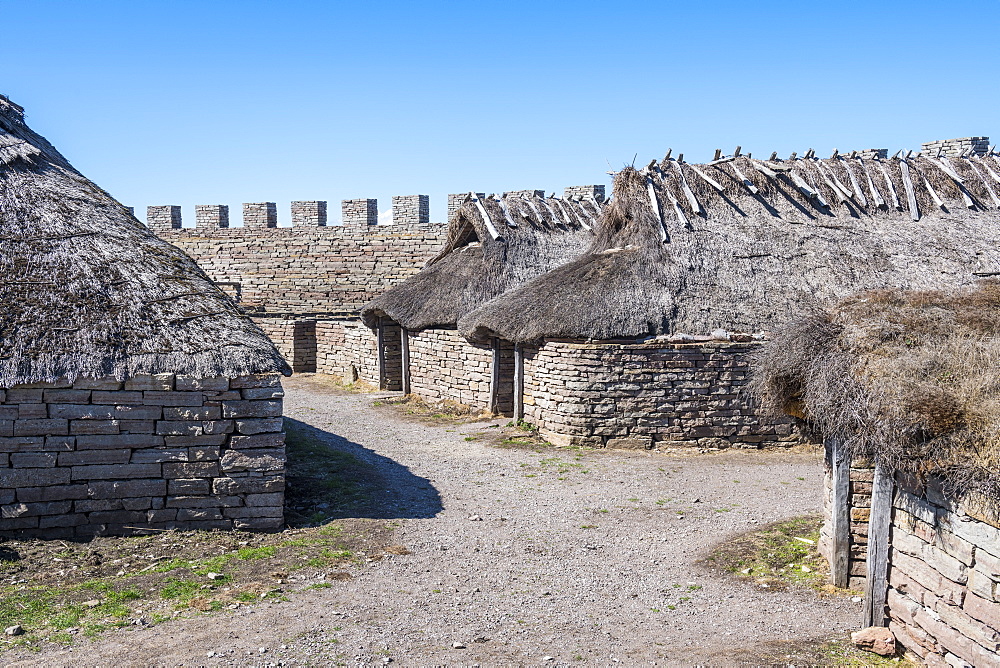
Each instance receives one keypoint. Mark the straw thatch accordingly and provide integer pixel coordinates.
(87, 290)
(910, 379)
(750, 261)
(522, 238)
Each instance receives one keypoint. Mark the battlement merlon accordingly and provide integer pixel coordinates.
(211, 216)
(260, 215)
(309, 213)
(584, 192)
(455, 201)
(163, 218)
(953, 148)
(524, 193)
(359, 212)
(411, 209)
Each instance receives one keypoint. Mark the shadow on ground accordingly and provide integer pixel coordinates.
(329, 477)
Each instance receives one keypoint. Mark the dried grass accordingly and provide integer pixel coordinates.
(748, 262)
(87, 290)
(910, 379)
(474, 268)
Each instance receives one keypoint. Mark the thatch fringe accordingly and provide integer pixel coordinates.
(779, 237)
(87, 290)
(910, 379)
(519, 238)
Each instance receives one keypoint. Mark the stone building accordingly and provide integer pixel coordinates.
(647, 338)
(902, 386)
(134, 395)
(493, 245)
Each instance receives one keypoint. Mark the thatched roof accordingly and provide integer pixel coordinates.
(911, 379)
(753, 255)
(519, 238)
(87, 290)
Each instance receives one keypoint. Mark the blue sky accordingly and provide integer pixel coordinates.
(225, 102)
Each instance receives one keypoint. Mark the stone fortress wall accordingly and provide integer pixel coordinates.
(304, 284)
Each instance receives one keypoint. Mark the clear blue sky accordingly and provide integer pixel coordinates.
(202, 102)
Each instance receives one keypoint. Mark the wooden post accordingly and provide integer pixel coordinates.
(495, 378)
(380, 344)
(878, 547)
(404, 342)
(840, 517)
(518, 382)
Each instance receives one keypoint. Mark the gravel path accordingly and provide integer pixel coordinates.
(569, 555)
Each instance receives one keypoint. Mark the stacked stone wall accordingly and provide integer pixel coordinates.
(944, 572)
(295, 339)
(309, 270)
(154, 452)
(955, 147)
(346, 348)
(211, 216)
(446, 367)
(411, 209)
(309, 213)
(359, 212)
(643, 395)
(584, 192)
(861, 477)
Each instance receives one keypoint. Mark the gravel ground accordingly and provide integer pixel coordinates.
(518, 557)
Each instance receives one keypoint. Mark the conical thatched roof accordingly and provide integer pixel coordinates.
(774, 237)
(518, 238)
(87, 290)
(909, 379)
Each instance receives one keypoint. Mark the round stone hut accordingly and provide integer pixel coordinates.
(134, 394)
(645, 339)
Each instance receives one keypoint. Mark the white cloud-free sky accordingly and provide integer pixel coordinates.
(203, 102)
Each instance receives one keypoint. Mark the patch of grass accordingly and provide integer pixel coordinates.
(263, 552)
(181, 590)
(319, 585)
(777, 555)
(322, 481)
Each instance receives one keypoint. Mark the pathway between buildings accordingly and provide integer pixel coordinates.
(574, 559)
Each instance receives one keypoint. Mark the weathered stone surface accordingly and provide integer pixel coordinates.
(257, 441)
(875, 639)
(253, 460)
(102, 456)
(631, 443)
(251, 409)
(251, 426)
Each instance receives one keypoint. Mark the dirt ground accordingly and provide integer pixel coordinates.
(518, 555)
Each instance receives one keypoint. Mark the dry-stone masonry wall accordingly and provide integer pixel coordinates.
(260, 215)
(446, 367)
(872, 153)
(309, 269)
(162, 218)
(295, 339)
(411, 209)
(359, 211)
(211, 216)
(860, 488)
(641, 395)
(584, 192)
(524, 193)
(309, 214)
(102, 456)
(348, 349)
(943, 598)
(955, 147)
